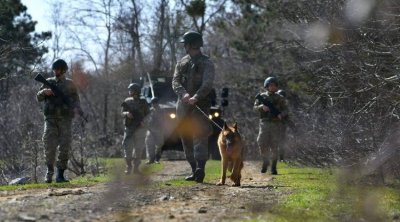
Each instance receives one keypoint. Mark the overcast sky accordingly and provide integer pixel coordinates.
(41, 12)
(37, 9)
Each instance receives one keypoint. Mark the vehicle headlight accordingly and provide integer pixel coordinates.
(210, 116)
(216, 114)
(172, 115)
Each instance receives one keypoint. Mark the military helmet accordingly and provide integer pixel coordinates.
(281, 92)
(192, 37)
(59, 64)
(134, 87)
(269, 80)
(154, 100)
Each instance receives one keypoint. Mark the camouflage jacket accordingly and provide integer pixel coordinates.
(194, 76)
(55, 107)
(139, 109)
(278, 101)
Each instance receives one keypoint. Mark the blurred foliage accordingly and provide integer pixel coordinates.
(196, 8)
(340, 76)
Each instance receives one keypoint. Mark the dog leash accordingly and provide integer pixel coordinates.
(216, 124)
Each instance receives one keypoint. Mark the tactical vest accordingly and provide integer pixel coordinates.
(138, 108)
(54, 106)
(276, 100)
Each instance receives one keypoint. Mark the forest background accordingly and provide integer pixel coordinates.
(337, 60)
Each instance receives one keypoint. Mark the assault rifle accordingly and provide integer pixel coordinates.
(58, 93)
(137, 117)
(274, 111)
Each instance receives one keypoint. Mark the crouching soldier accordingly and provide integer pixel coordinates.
(134, 109)
(272, 109)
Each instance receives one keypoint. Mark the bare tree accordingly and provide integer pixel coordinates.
(99, 15)
(158, 37)
(197, 10)
(57, 21)
(129, 22)
(337, 65)
(172, 28)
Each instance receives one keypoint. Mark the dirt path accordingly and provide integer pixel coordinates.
(133, 199)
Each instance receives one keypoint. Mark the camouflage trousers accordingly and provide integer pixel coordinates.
(194, 130)
(270, 137)
(57, 133)
(154, 141)
(134, 144)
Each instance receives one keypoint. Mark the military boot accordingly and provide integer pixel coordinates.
(150, 161)
(264, 166)
(191, 177)
(60, 176)
(136, 168)
(158, 157)
(49, 174)
(199, 174)
(128, 169)
(281, 157)
(273, 167)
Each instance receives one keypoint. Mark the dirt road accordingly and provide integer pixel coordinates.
(133, 199)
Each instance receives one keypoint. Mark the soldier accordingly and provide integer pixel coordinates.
(58, 120)
(272, 109)
(134, 109)
(154, 136)
(192, 82)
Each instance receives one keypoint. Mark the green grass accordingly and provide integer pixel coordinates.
(305, 193)
(307, 190)
(113, 167)
(152, 168)
(76, 182)
(212, 174)
(213, 169)
(315, 194)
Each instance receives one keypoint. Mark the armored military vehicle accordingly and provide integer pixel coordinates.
(162, 88)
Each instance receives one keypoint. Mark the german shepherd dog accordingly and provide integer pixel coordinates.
(231, 150)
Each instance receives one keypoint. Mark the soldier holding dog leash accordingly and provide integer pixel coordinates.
(192, 82)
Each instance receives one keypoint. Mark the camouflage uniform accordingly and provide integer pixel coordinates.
(154, 136)
(58, 122)
(133, 142)
(271, 129)
(194, 76)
